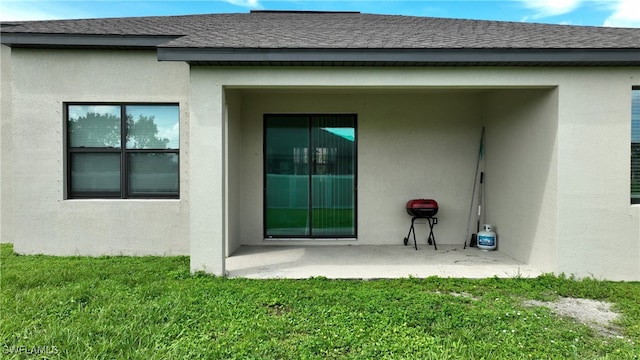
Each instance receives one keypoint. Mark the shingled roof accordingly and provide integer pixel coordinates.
(337, 38)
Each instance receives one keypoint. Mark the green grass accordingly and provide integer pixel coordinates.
(152, 308)
(297, 218)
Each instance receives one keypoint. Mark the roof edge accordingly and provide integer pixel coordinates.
(303, 12)
(398, 57)
(84, 40)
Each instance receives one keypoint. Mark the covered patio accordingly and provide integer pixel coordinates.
(372, 262)
(412, 142)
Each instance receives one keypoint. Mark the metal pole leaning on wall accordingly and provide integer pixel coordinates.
(473, 192)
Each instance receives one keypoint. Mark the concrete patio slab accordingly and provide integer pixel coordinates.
(372, 262)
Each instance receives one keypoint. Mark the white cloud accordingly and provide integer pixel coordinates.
(626, 13)
(171, 133)
(75, 111)
(253, 4)
(545, 8)
(35, 10)
(7, 13)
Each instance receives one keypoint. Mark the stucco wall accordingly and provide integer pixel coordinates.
(411, 144)
(44, 220)
(521, 173)
(233, 165)
(597, 226)
(584, 223)
(6, 166)
(208, 183)
(418, 131)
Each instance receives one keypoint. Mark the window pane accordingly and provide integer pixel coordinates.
(635, 145)
(153, 127)
(94, 126)
(95, 172)
(153, 173)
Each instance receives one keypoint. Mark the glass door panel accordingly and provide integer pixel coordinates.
(287, 176)
(333, 182)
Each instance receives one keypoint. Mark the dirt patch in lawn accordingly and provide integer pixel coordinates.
(596, 314)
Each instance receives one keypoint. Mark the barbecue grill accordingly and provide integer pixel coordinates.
(422, 209)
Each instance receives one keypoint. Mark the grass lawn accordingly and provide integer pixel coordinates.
(297, 218)
(152, 308)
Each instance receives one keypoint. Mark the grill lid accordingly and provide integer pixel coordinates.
(422, 204)
(422, 207)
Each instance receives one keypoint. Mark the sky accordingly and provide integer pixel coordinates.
(618, 13)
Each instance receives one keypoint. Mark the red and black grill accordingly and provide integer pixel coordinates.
(422, 209)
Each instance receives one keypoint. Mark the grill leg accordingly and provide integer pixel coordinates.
(415, 242)
(432, 238)
(411, 230)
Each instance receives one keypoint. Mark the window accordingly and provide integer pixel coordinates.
(635, 145)
(309, 184)
(122, 150)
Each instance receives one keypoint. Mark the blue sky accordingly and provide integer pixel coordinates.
(623, 13)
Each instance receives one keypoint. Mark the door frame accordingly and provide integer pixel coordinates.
(310, 205)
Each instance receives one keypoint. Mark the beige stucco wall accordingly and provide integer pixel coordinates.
(44, 221)
(208, 182)
(521, 178)
(597, 225)
(6, 165)
(557, 156)
(419, 143)
(234, 165)
(557, 182)
(411, 144)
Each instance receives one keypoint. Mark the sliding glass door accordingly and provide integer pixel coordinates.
(310, 182)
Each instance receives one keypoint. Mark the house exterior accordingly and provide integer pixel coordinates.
(195, 135)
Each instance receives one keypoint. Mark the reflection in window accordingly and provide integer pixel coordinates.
(94, 126)
(151, 173)
(153, 127)
(99, 167)
(95, 172)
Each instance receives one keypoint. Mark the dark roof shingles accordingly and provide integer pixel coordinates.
(299, 30)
